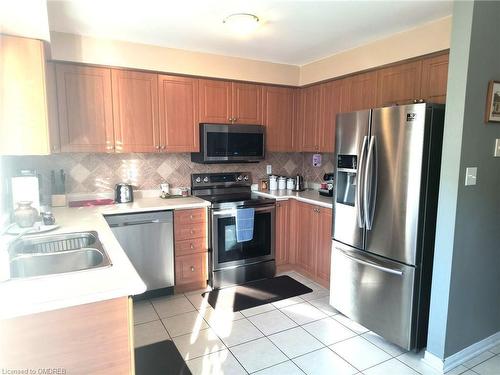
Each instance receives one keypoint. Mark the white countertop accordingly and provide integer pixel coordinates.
(33, 295)
(306, 196)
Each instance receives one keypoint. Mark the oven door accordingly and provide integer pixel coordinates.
(227, 253)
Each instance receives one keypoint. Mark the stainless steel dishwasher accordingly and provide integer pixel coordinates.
(148, 240)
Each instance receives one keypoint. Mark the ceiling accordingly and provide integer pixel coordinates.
(291, 32)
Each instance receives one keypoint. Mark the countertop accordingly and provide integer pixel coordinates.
(306, 196)
(33, 295)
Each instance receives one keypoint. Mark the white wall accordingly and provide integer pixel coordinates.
(428, 38)
(431, 37)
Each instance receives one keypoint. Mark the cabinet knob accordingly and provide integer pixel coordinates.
(192, 231)
(191, 246)
(192, 268)
(191, 216)
(162, 147)
(157, 147)
(278, 205)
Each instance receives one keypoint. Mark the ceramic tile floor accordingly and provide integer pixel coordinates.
(300, 335)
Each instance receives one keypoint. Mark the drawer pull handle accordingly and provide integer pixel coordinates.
(192, 269)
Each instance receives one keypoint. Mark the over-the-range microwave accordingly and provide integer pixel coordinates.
(224, 143)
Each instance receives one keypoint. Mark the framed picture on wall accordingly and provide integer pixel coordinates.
(493, 102)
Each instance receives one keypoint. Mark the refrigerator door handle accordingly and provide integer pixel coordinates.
(372, 264)
(371, 172)
(359, 184)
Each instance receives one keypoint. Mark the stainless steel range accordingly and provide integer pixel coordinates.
(232, 262)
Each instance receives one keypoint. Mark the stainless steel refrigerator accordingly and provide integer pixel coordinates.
(384, 215)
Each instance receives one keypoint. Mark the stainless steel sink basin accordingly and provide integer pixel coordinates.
(54, 254)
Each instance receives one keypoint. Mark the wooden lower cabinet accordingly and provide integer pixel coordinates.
(95, 338)
(282, 230)
(191, 257)
(191, 268)
(308, 232)
(324, 244)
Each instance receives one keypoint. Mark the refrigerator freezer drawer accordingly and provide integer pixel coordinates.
(374, 292)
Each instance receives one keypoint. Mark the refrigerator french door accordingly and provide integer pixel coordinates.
(384, 210)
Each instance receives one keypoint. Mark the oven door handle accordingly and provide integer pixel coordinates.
(232, 211)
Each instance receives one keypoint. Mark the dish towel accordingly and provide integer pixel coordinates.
(244, 224)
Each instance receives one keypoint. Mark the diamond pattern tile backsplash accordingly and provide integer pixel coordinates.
(94, 172)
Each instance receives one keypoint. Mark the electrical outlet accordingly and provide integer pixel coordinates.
(497, 148)
(269, 169)
(470, 176)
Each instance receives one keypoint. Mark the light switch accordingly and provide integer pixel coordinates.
(497, 148)
(269, 169)
(470, 176)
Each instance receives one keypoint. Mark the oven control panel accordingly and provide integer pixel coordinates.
(221, 179)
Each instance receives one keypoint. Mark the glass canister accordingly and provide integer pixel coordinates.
(25, 215)
(290, 183)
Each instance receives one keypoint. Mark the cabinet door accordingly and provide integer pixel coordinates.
(435, 79)
(191, 268)
(85, 108)
(178, 97)
(135, 111)
(359, 92)
(330, 105)
(306, 242)
(246, 103)
(282, 226)
(399, 84)
(214, 101)
(324, 244)
(23, 104)
(278, 111)
(309, 118)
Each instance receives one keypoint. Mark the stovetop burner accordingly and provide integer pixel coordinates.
(235, 200)
(227, 190)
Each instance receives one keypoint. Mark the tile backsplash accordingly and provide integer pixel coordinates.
(94, 172)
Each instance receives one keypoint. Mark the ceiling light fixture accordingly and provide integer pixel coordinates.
(241, 24)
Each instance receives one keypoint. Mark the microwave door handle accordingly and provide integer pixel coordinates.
(359, 185)
(371, 181)
(372, 264)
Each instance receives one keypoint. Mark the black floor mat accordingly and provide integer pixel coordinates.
(256, 293)
(161, 358)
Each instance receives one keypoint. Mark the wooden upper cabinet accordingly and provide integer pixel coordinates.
(435, 79)
(135, 111)
(24, 127)
(399, 84)
(278, 110)
(246, 103)
(85, 108)
(330, 105)
(359, 92)
(53, 116)
(309, 118)
(282, 232)
(178, 107)
(214, 101)
(324, 244)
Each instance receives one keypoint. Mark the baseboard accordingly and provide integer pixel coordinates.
(462, 356)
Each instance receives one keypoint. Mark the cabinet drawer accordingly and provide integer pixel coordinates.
(197, 215)
(189, 231)
(190, 268)
(197, 245)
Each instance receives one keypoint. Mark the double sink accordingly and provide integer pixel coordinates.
(55, 254)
